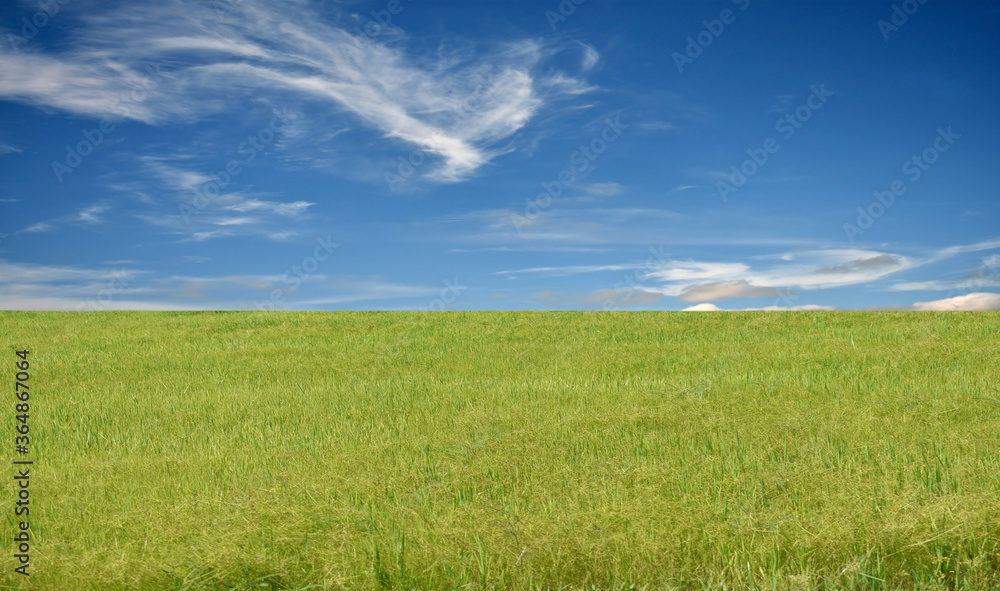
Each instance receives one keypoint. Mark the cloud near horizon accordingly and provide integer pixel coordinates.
(973, 302)
(724, 291)
(68, 288)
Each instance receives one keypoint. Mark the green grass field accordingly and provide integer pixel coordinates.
(493, 450)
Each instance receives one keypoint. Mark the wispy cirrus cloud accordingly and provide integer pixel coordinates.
(982, 275)
(62, 287)
(570, 270)
(585, 227)
(812, 269)
(807, 270)
(454, 104)
(232, 213)
(39, 227)
(92, 214)
(89, 215)
(603, 189)
(777, 275)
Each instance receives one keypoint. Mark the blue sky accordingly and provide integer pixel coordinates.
(419, 154)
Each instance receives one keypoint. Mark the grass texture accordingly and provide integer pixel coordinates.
(508, 450)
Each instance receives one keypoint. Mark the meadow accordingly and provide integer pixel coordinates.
(508, 450)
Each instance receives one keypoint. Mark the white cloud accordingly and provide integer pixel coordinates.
(91, 215)
(529, 249)
(724, 290)
(936, 285)
(5, 149)
(951, 251)
(969, 302)
(987, 273)
(603, 189)
(48, 287)
(681, 188)
(453, 104)
(15, 273)
(803, 308)
(702, 308)
(570, 270)
(39, 227)
(43, 287)
(359, 290)
(559, 223)
(57, 304)
(676, 271)
(179, 179)
(705, 280)
(197, 212)
(806, 308)
(208, 235)
(590, 57)
(282, 236)
(88, 215)
(771, 275)
(235, 221)
(286, 209)
(811, 269)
